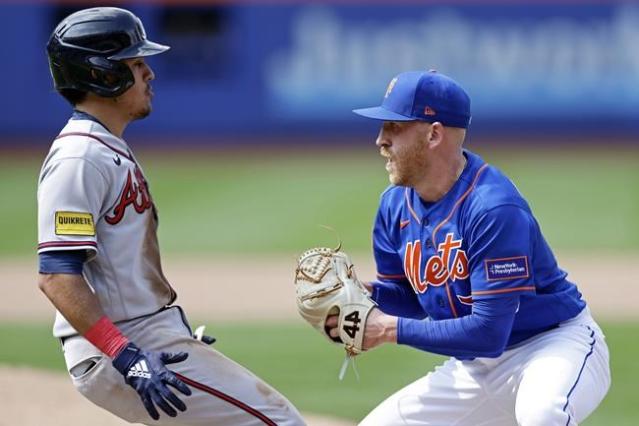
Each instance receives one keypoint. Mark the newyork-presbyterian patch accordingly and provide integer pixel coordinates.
(508, 268)
(74, 223)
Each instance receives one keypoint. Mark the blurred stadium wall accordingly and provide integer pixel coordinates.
(266, 70)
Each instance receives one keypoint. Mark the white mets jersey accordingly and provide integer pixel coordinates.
(92, 195)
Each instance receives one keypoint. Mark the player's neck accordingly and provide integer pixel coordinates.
(440, 178)
(107, 114)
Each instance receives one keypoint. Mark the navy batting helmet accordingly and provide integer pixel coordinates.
(87, 47)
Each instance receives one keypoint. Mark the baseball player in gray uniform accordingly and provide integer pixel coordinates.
(99, 258)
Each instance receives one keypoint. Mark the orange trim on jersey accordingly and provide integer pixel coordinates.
(391, 277)
(404, 223)
(502, 290)
(507, 258)
(458, 202)
(410, 208)
(466, 300)
(434, 236)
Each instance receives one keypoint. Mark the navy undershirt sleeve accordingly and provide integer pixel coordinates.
(62, 262)
(484, 333)
(396, 299)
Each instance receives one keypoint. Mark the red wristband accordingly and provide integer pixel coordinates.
(105, 336)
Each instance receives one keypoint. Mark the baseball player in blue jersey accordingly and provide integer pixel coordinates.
(464, 271)
(127, 348)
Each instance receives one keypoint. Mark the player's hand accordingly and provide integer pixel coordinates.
(146, 372)
(380, 328)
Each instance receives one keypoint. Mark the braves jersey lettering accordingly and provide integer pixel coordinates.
(135, 193)
(437, 270)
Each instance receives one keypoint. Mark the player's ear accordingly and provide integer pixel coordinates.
(435, 134)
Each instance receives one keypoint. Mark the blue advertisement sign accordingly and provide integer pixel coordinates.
(257, 69)
(517, 62)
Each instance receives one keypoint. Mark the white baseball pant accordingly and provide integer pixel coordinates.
(556, 378)
(224, 392)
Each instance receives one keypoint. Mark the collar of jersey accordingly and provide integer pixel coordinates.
(85, 123)
(472, 161)
(81, 115)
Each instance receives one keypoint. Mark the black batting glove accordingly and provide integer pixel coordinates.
(146, 372)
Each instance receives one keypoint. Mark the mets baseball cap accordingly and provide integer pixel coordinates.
(425, 96)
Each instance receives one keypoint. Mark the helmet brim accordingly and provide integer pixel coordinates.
(144, 48)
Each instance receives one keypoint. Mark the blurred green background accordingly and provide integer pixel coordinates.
(272, 201)
(267, 202)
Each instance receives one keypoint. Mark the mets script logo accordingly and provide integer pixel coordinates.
(450, 263)
(135, 193)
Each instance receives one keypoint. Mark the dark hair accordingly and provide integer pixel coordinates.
(73, 96)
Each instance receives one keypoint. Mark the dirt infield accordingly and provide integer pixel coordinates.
(230, 289)
(30, 396)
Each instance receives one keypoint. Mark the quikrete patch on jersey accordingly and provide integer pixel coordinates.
(74, 223)
(508, 268)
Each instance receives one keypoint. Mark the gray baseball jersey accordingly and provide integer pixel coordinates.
(92, 195)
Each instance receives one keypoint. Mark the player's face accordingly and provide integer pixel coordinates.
(137, 100)
(402, 143)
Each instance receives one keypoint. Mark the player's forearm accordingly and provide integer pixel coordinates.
(73, 298)
(380, 328)
(482, 334)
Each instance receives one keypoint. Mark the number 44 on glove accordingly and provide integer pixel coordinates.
(325, 284)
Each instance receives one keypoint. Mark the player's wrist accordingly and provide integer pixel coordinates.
(380, 328)
(390, 328)
(126, 358)
(105, 336)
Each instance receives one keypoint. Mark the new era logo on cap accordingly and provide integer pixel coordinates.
(425, 96)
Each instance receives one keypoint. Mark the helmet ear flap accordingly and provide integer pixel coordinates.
(111, 77)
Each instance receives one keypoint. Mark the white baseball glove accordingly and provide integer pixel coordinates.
(325, 284)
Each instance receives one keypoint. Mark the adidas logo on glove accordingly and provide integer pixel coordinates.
(139, 370)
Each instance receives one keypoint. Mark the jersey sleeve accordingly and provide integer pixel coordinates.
(389, 264)
(70, 197)
(391, 291)
(500, 252)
